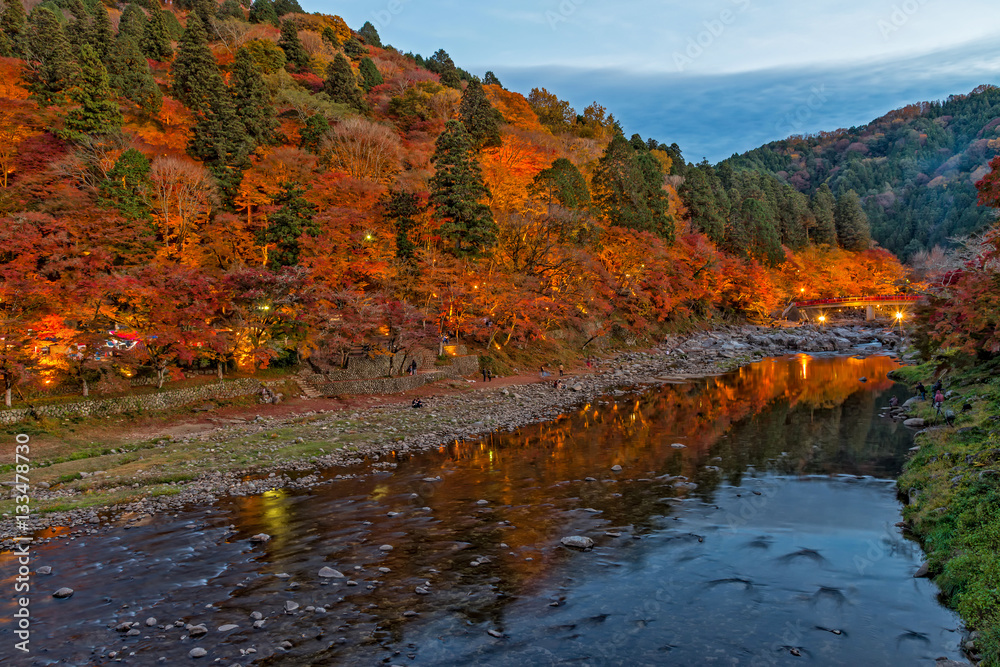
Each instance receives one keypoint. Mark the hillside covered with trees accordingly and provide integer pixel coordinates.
(915, 169)
(237, 186)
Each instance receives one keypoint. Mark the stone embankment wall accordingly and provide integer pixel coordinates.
(160, 401)
(334, 384)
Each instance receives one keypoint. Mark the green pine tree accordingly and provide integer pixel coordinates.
(231, 9)
(205, 10)
(12, 22)
(822, 206)
(563, 183)
(370, 35)
(49, 67)
(853, 231)
(354, 49)
(457, 191)
(127, 186)
(253, 100)
(490, 79)
(98, 111)
(312, 134)
(370, 76)
(129, 75)
(700, 199)
(219, 139)
(399, 207)
(195, 71)
(262, 11)
(628, 189)
(330, 37)
(296, 56)
(287, 225)
(155, 43)
(78, 27)
(102, 34)
(132, 23)
(764, 243)
(481, 120)
(282, 7)
(341, 84)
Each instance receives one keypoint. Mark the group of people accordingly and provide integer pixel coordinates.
(487, 374)
(938, 396)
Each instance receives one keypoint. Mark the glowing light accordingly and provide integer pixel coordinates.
(899, 316)
(368, 237)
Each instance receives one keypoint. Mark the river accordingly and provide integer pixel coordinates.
(752, 522)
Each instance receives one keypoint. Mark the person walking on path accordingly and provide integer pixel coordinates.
(484, 374)
(922, 390)
(938, 401)
(560, 370)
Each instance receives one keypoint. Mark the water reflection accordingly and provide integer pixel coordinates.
(737, 515)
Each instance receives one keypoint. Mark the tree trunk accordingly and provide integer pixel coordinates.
(160, 374)
(7, 396)
(86, 388)
(218, 368)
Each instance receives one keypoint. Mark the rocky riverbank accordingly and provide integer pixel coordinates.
(250, 455)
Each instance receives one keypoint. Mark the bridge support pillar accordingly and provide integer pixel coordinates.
(869, 313)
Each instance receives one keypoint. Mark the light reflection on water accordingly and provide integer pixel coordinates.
(780, 548)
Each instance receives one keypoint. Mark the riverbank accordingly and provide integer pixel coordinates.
(245, 449)
(951, 487)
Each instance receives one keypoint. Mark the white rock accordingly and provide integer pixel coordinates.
(678, 445)
(291, 606)
(577, 542)
(260, 538)
(63, 593)
(330, 573)
(915, 422)
(385, 547)
(616, 468)
(227, 627)
(197, 652)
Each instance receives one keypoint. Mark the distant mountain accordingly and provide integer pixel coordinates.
(915, 168)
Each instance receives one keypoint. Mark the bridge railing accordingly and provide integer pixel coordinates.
(853, 299)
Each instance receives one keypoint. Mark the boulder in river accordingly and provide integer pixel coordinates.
(330, 573)
(923, 572)
(915, 422)
(197, 652)
(260, 538)
(577, 542)
(63, 593)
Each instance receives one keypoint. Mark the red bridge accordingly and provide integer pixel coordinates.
(869, 302)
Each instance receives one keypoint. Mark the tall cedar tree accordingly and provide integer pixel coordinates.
(77, 28)
(312, 134)
(698, 196)
(231, 9)
(490, 79)
(282, 7)
(130, 76)
(98, 111)
(132, 23)
(822, 206)
(286, 226)
(12, 21)
(155, 43)
(296, 56)
(127, 186)
(370, 76)
(330, 37)
(563, 183)
(205, 10)
(102, 34)
(628, 189)
(195, 71)
(262, 11)
(481, 120)
(353, 48)
(253, 100)
(399, 207)
(370, 35)
(762, 240)
(340, 83)
(853, 231)
(50, 69)
(457, 191)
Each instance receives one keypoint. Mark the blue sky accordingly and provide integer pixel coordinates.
(715, 76)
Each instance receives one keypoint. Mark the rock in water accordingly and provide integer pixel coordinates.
(923, 572)
(385, 547)
(915, 422)
(227, 627)
(862, 379)
(291, 606)
(616, 468)
(678, 445)
(260, 538)
(45, 569)
(63, 593)
(330, 573)
(198, 652)
(577, 542)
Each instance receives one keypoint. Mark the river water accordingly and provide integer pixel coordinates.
(767, 539)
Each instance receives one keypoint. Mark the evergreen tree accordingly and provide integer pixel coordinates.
(49, 68)
(195, 72)
(102, 34)
(853, 231)
(700, 199)
(296, 57)
(330, 37)
(490, 79)
(341, 85)
(822, 205)
(262, 11)
(231, 9)
(481, 120)
(370, 35)
(353, 48)
(205, 10)
(628, 189)
(282, 7)
(130, 76)
(12, 22)
(284, 227)
(127, 186)
(457, 191)
(77, 28)
(762, 238)
(370, 76)
(98, 111)
(399, 207)
(155, 43)
(253, 100)
(563, 183)
(312, 134)
(132, 23)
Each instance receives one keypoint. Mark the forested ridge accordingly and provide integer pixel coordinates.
(237, 186)
(915, 168)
